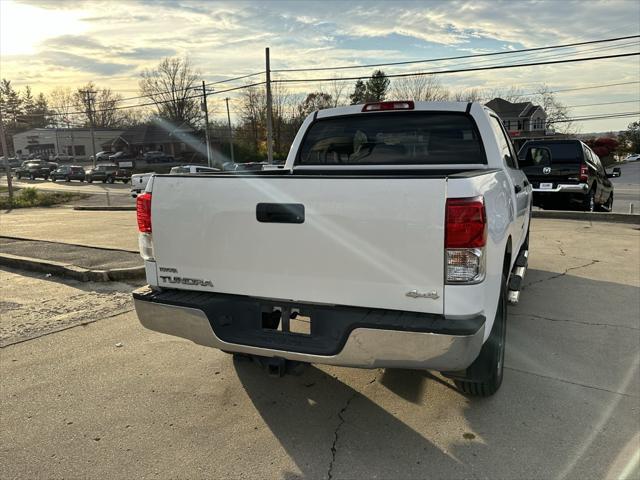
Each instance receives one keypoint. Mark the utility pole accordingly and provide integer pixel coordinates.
(89, 99)
(205, 109)
(269, 110)
(5, 151)
(233, 160)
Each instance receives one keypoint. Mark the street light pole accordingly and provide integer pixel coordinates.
(269, 109)
(205, 109)
(230, 131)
(5, 151)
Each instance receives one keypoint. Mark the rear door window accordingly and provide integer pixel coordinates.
(408, 138)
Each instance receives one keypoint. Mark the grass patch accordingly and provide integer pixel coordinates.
(31, 197)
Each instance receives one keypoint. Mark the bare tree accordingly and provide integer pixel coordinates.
(420, 88)
(557, 112)
(100, 103)
(511, 94)
(172, 87)
(63, 103)
(337, 90)
(253, 110)
(468, 95)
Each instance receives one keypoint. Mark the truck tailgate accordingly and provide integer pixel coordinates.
(352, 241)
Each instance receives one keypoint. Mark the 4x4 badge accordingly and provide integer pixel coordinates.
(546, 170)
(433, 294)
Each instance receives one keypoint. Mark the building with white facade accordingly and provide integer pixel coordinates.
(76, 142)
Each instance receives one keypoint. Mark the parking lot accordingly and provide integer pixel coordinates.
(88, 392)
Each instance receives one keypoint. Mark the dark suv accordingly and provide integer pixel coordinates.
(35, 169)
(108, 174)
(567, 171)
(68, 173)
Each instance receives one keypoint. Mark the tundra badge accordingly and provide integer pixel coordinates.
(433, 294)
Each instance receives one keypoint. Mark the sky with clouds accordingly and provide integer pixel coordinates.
(51, 43)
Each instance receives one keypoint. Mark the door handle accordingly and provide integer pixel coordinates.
(518, 188)
(280, 213)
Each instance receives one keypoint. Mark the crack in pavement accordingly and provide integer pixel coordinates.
(334, 449)
(540, 317)
(572, 383)
(592, 262)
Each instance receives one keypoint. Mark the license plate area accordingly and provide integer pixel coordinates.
(546, 186)
(285, 319)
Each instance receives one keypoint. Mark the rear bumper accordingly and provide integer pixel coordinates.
(451, 345)
(565, 188)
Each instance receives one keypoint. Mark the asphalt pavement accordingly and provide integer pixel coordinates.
(110, 399)
(627, 188)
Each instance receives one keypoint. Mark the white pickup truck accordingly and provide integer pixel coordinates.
(394, 236)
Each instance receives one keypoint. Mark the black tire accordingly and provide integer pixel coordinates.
(491, 358)
(589, 201)
(53, 179)
(32, 177)
(19, 176)
(89, 180)
(607, 207)
(111, 180)
(67, 179)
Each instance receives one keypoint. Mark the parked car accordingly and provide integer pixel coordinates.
(62, 158)
(634, 157)
(102, 156)
(394, 237)
(567, 171)
(139, 183)
(192, 169)
(12, 161)
(68, 173)
(157, 157)
(108, 174)
(33, 169)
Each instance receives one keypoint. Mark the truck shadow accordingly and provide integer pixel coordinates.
(331, 430)
(563, 411)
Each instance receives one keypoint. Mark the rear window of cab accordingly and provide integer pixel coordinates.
(393, 138)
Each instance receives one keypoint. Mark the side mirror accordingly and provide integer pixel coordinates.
(615, 173)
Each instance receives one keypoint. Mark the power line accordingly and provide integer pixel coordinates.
(456, 57)
(605, 103)
(596, 117)
(462, 70)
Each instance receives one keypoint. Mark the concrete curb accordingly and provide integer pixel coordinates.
(71, 271)
(97, 247)
(104, 209)
(590, 216)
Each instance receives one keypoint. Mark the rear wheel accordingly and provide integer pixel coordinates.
(32, 177)
(489, 366)
(67, 179)
(111, 180)
(53, 179)
(608, 207)
(589, 201)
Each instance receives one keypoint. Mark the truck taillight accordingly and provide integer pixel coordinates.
(465, 239)
(143, 210)
(378, 106)
(584, 173)
(145, 240)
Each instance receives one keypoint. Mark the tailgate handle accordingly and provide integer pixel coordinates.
(280, 213)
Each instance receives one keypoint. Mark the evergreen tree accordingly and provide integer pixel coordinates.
(377, 87)
(359, 94)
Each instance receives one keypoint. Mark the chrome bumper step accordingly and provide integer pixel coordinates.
(516, 277)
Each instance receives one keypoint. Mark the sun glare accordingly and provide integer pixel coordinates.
(23, 27)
